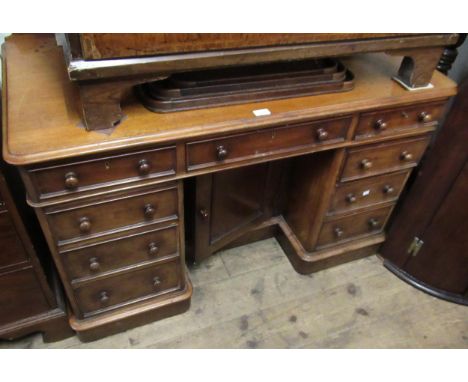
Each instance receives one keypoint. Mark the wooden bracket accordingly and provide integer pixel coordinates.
(101, 100)
(418, 65)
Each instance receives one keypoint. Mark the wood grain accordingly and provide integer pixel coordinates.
(49, 127)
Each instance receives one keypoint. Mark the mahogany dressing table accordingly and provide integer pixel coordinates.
(124, 208)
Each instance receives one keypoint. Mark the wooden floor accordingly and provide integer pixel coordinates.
(250, 297)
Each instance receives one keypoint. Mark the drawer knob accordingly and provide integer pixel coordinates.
(373, 223)
(339, 232)
(85, 225)
(71, 180)
(149, 211)
(221, 152)
(204, 213)
(406, 156)
(366, 164)
(388, 189)
(322, 134)
(144, 167)
(156, 281)
(153, 249)
(425, 117)
(380, 124)
(103, 297)
(350, 198)
(94, 264)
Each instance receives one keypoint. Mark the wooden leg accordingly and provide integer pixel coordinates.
(418, 65)
(449, 55)
(101, 101)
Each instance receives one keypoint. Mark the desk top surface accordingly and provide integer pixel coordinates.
(42, 121)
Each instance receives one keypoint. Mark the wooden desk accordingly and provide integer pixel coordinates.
(111, 203)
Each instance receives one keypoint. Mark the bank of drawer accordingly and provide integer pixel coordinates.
(95, 173)
(382, 158)
(384, 122)
(257, 144)
(12, 251)
(367, 192)
(125, 288)
(94, 259)
(21, 296)
(71, 221)
(353, 226)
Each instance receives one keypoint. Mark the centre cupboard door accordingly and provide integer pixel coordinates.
(229, 204)
(427, 244)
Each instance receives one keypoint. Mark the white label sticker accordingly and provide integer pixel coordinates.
(261, 112)
(366, 192)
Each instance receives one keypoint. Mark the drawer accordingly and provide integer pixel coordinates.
(79, 221)
(12, 250)
(353, 226)
(392, 121)
(129, 287)
(95, 259)
(366, 192)
(259, 144)
(382, 158)
(95, 173)
(21, 296)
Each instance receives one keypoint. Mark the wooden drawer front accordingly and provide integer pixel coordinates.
(382, 158)
(96, 173)
(124, 288)
(20, 296)
(352, 226)
(97, 258)
(12, 251)
(367, 192)
(261, 143)
(83, 221)
(392, 121)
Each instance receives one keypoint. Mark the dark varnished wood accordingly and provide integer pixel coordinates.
(313, 179)
(124, 251)
(351, 226)
(29, 302)
(248, 146)
(97, 173)
(383, 122)
(148, 282)
(366, 192)
(382, 158)
(78, 220)
(435, 212)
(12, 249)
(93, 46)
(230, 204)
(225, 209)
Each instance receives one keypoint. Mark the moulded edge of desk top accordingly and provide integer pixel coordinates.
(46, 137)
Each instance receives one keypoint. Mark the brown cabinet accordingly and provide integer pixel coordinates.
(29, 301)
(427, 242)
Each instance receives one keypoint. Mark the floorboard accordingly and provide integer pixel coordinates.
(250, 297)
